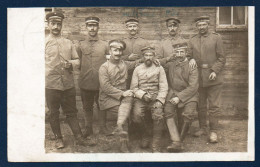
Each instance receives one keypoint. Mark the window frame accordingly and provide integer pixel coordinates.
(231, 27)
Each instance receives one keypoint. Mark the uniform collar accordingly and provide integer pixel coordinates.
(133, 37)
(174, 37)
(182, 63)
(204, 35)
(90, 38)
(54, 36)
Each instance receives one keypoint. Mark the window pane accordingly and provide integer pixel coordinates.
(224, 15)
(238, 15)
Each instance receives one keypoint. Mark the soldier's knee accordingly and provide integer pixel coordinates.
(157, 113)
(127, 100)
(169, 111)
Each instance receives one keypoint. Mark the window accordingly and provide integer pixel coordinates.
(231, 18)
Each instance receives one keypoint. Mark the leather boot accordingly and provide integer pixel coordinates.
(124, 145)
(55, 126)
(213, 125)
(157, 135)
(102, 122)
(180, 121)
(75, 128)
(88, 115)
(184, 130)
(176, 145)
(202, 115)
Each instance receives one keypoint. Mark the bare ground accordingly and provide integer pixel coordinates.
(232, 138)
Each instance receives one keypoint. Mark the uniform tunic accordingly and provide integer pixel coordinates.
(208, 50)
(151, 80)
(183, 82)
(134, 44)
(92, 52)
(58, 50)
(112, 79)
(166, 48)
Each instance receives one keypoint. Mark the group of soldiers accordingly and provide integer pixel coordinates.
(128, 78)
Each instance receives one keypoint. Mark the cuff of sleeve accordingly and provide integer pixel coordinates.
(139, 94)
(180, 97)
(162, 100)
(214, 70)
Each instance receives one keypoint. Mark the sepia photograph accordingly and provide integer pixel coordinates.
(141, 80)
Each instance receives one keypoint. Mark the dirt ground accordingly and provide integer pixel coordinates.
(232, 138)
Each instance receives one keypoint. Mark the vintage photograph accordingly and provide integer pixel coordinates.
(146, 79)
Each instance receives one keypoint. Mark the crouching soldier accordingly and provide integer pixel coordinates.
(113, 96)
(182, 97)
(150, 88)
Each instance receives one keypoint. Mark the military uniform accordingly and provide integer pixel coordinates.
(183, 84)
(166, 48)
(134, 44)
(113, 77)
(151, 81)
(59, 81)
(92, 53)
(208, 51)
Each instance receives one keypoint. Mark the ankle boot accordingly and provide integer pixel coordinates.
(124, 145)
(102, 122)
(157, 135)
(74, 126)
(184, 130)
(88, 116)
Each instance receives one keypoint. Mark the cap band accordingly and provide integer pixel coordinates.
(92, 21)
(131, 22)
(116, 45)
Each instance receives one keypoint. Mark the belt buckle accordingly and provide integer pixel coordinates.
(204, 66)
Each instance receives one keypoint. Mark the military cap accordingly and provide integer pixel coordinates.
(201, 18)
(131, 21)
(117, 43)
(57, 16)
(148, 49)
(92, 20)
(178, 46)
(172, 20)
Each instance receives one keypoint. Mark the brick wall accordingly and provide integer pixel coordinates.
(153, 28)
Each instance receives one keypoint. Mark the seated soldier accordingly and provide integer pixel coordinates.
(114, 97)
(150, 88)
(182, 97)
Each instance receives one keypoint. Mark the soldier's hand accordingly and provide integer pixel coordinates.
(157, 62)
(212, 76)
(146, 98)
(133, 57)
(157, 104)
(192, 64)
(67, 65)
(174, 100)
(128, 93)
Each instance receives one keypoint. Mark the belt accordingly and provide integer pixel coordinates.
(204, 66)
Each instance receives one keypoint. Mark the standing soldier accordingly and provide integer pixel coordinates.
(60, 60)
(207, 50)
(114, 96)
(173, 26)
(92, 53)
(150, 88)
(182, 97)
(134, 44)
